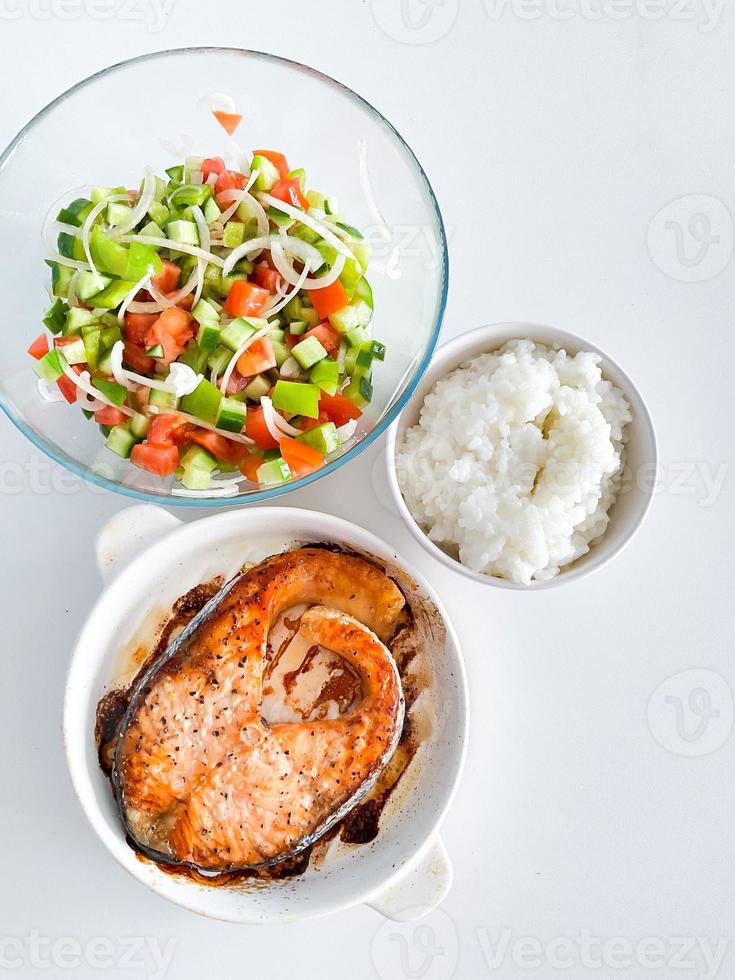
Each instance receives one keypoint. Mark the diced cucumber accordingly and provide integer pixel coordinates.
(203, 401)
(105, 362)
(325, 375)
(194, 357)
(60, 278)
(185, 232)
(70, 246)
(193, 164)
(322, 437)
(152, 230)
(364, 292)
(156, 351)
(120, 440)
(111, 332)
(75, 353)
(235, 333)
(117, 213)
(208, 334)
(158, 213)
(196, 458)
(356, 336)
(359, 391)
(194, 479)
(111, 390)
(211, 211)
(88, 284)
(279, 218)
(280, 352)
(290, 368)
(204, 312)
(315, 199)
(76, 318)
(139, 425)
(267, 173)
(113, 295)
(234, 234)
(49, 368)
(76, 212)
(344, 319)
(100, 194)
(91, 337)
(305, 233)
(273, 472)
(296, 398)
(55, 317)
(297, 327)
(350, 229)
(219, 359)
(258, 386)
(308, 352)
(309, 316)
(377, 349)
(163, 399)
(231, 415)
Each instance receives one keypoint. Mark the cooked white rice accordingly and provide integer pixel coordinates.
(516, 460)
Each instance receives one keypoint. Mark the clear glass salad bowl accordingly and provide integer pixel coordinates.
(156, 110)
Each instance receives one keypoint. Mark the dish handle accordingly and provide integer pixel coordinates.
(420, 888)
(128, 533)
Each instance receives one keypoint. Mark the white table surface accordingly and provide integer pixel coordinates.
(552, 142)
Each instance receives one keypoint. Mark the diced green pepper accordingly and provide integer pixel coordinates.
(108, 256)
(56, 316)
(325, 375)
(296, 398)
(113, 295)
(190, 195)
(142, 260)
(111, 390)
(203, 401)
(91, 338)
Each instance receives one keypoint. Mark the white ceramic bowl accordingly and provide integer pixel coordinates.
(632, 503)
(148, 559)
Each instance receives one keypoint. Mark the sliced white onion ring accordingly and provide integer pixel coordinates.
(90, 220)
(162, 302)
(194, 250)
(244, 196)
(275, 423)
(141, 207)
(83, 383)
(306, 219)
(143, 283)
(241, 350)
(49, 393)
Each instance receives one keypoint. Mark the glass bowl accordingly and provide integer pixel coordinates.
(155, 110)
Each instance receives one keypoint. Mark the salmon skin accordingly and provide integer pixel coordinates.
(201, 778)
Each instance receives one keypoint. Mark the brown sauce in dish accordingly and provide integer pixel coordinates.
(362, 824)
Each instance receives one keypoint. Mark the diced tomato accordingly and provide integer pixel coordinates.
(141, 395)
(230, 180)
(186, 303)
(327, 336)
(168, 278)
(245, 299)
(39, 347)
(161, 460)
(277, 159)
(137, 360)
(328, 299)
(249, 467)
(289, 191)
(338, 408)
(65, 341)
(67, 388)
(165, 429)
(257, 358)
(225, 449)
(109, 415)
(266, 277)
(173, 330)
(137, 326)
(257, 430)
(301, 459)
(212, 165)
(291, 339)
(229, 121)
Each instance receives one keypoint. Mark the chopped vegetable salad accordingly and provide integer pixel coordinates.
(216, 324)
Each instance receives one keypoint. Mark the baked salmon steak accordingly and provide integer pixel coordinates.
(201, 777)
